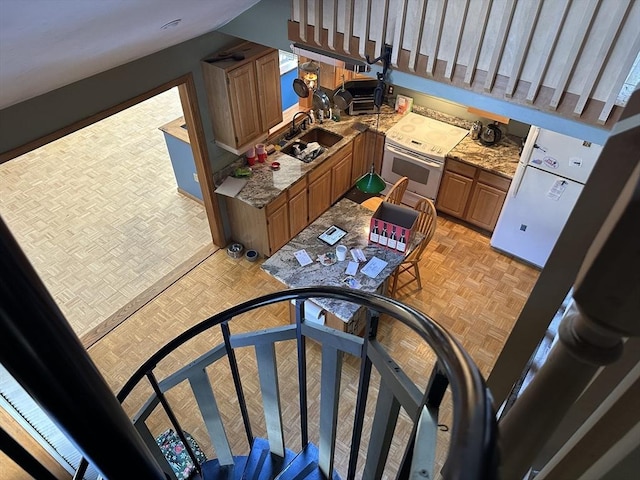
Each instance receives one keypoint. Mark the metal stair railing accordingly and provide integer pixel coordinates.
(472, 449)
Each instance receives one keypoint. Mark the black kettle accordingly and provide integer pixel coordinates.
(491, 135)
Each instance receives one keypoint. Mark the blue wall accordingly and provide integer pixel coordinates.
(289, 97)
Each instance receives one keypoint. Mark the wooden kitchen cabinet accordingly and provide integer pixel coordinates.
(277, 213)
(269, 94)
(454, 192)
(243, 96)
(319, 194)
(374, 143)
(341, 172)
(367, 147)
(487, 199)
(359, 163)
(472, 194)
(298, 207)
(267, 229)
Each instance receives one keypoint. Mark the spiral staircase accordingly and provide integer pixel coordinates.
(471, 450)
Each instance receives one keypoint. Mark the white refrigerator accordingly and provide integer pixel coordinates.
(550, 176)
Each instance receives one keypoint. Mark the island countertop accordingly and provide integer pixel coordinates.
(354, 219)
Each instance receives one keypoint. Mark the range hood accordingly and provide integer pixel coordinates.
(330, 58)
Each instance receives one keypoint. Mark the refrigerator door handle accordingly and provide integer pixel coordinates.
(524, 159)
(518, 181)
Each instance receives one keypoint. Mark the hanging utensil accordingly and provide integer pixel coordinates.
(342, 98)
(321, 100)
(301, 88)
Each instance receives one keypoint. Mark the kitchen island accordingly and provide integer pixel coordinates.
(355, 220)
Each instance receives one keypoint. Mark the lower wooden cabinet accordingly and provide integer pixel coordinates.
(341, 172)
(277, 223)
(354, 326)
(472, 194)
(359, 163)
(298, 207)
(329, 181)
(319, 195)
(485, 205)
(268, 229)
(454, 192)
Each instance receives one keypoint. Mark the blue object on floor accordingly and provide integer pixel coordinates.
(261, 464)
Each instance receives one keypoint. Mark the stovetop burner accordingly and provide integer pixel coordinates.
(425, 135)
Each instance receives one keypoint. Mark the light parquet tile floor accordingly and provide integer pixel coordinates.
(470, 289)
(98, 213)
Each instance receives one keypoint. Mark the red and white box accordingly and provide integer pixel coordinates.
(392, 226)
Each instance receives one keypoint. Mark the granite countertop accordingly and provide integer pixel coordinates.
(355, 220)
(501, 158)
(265, 184)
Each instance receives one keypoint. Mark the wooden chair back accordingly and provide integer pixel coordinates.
(397, 191)
(426, 224)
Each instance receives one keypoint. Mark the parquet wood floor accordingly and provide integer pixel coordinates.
(470, 289)
(98, 214)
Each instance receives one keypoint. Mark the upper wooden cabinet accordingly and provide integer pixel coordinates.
(243, 95)
(472, 194)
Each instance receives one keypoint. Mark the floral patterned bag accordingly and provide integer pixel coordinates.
(176, 454)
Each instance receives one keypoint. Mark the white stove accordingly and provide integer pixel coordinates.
(416, 147)
(425, 135)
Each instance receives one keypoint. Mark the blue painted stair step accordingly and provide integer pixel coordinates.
(262, 465)
(305, 466)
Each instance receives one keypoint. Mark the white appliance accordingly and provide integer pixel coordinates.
(551, 173)
(415, 147)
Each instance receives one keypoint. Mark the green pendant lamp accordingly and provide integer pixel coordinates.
(371, 182)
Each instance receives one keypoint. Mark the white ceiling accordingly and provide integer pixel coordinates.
(46, 44)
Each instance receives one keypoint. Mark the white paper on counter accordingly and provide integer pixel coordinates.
(231, 186)
(352, 268)
(303, 257)
(374, 267)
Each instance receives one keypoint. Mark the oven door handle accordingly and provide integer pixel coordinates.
(409, 157)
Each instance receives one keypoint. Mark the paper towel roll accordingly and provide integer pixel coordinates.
(313, 312)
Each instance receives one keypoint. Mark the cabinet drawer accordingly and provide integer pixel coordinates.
(298, 187)
(275, 204)
(460, 168)
(497, 181)
(321, 169)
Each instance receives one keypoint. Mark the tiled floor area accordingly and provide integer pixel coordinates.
(98, 214)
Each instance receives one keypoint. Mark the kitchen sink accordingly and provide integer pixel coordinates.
(324, 137)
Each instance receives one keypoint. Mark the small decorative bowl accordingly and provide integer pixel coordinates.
(235, 250)
(275, 166)
(251, 255)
